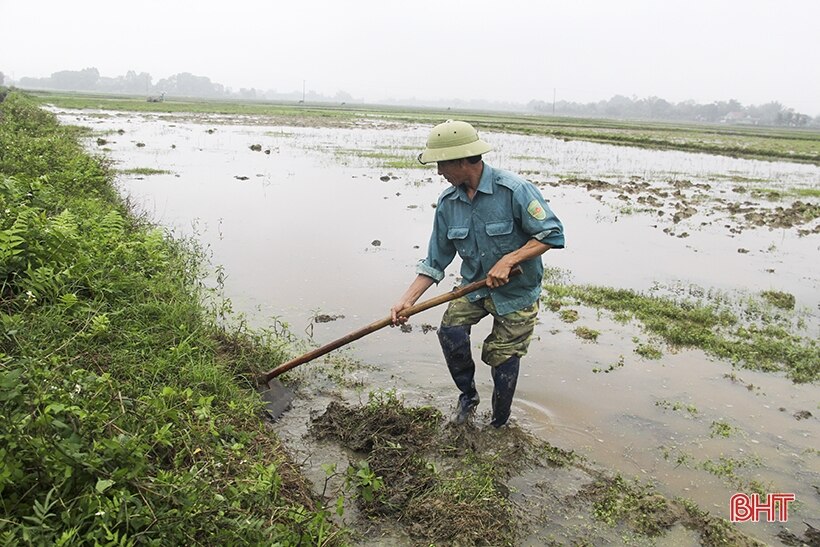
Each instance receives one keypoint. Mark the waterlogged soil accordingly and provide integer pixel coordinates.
(293, 227)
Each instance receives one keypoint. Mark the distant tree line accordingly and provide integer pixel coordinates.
(89, 79)
(185, 84)
(655, 108)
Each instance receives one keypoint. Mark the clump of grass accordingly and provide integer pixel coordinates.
(144, 171)
(806, 192)
(721, 429)
(568, 316)
(612, 367)
(587, 333)
(615, 499)
(648, 351)
(676, 406)
(782, 300)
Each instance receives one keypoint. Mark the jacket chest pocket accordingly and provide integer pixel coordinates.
(458, 235)
(501, 235)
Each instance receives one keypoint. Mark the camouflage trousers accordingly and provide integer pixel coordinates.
(511, 333)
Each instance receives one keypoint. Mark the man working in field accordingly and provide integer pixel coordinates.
(495, 221)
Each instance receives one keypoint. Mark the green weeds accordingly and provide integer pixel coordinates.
(677, 406)
(144, 171)
(782, 300)
(722, 429)
(761, 341)
(615, 499)
(122, 419)
(586, 333)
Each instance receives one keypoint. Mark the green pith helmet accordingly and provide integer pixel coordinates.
(453, 140)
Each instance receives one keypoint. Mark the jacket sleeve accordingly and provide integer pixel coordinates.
(440, 250)
(535, 216)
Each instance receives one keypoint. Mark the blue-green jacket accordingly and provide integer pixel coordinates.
(505, 213)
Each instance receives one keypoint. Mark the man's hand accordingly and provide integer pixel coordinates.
(397, 308)
(500, 273)
(416, 289)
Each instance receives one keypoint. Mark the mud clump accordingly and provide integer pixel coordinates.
(802, 415)
(325, 318)
(433, 481)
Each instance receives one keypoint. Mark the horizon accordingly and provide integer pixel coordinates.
(330, 97)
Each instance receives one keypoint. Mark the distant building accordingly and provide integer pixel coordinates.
(739, 118)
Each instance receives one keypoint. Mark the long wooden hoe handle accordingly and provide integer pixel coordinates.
(373, 327)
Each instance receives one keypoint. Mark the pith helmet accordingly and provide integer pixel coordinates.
(453, 140)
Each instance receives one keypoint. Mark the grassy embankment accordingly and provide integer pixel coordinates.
(125, 415)
(797, 145)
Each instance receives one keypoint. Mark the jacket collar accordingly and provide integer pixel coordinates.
(485, 185)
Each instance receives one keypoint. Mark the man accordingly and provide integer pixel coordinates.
(495, 221)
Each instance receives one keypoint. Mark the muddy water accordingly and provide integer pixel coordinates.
(317, 227)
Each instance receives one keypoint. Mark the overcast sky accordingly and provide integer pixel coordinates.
(504, 50)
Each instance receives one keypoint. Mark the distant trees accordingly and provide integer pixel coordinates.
(89, 79)
(80, 80)
(655, 108)
(188, 85)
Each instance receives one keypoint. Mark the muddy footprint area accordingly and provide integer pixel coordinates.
(413, 478)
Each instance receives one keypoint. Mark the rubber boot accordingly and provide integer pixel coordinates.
(505, 378)
(455, 343)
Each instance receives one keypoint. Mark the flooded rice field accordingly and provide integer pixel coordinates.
(320, 228)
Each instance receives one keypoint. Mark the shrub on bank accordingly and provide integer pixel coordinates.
(122, 416)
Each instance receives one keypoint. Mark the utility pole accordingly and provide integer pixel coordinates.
(553, 101)
(303, 91)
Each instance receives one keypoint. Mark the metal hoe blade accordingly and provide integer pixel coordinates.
(277, 398)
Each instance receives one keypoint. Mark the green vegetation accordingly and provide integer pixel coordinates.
(782, 300)
(722, 429)
(676, 406)
(126, 412)
(612, 367)
(797, 145)
(388, 160)
(191, 105)
(648, 351)
(144, 171)
(587, 333)
(772, 194)
(568, 316)
(615, 499)
(726, 468)
(761, 345)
